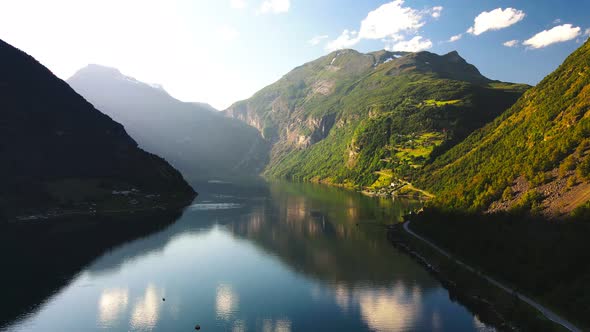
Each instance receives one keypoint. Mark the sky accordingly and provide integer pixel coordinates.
(222, 51)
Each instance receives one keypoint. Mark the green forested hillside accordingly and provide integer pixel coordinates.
(534, 157)
(368, 119)
(533, 162)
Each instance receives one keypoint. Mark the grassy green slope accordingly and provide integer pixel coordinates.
(365, 119)
(533, 158)
(533, 153)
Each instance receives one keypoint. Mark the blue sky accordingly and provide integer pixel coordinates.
(221, 51)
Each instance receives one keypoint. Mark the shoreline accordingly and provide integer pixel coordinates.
(493, 306)
(480, 307)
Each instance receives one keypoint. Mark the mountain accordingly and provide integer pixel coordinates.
(60, 152)
(535, 156)
(193, 137)
(371, 119)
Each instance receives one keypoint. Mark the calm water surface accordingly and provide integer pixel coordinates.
(278, 257)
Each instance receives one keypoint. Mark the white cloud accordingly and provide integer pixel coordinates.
(238, 4)
(390, 22)
(393, 38)
(316, 40)
(346, 40)
(435, 11)
(557, 21)
(415, 44)
(228, 33)
(390, 19)
(274, 6)
(560, 33)
(455, 38)
(511, 43)
(587, 32)
(495, 20)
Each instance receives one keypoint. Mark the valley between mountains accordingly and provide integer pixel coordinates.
(503, 168)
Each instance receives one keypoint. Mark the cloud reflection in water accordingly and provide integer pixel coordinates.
(279, 325)
(382, 308)
(147, 309)
(111, 305)
(226, 302)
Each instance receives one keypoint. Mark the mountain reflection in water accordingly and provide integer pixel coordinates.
(277, 257)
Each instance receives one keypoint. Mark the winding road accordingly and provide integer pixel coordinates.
(543, 310)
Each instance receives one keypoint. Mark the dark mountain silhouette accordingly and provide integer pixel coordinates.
(74, 184)
(50, 134)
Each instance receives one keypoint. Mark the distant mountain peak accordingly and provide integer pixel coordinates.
(454, 56)
(344, 51)
(96, 70)
(384, 56)
(453, 53)
(192, 136)
(366, 109)
(99, 69)
(349, 61)
(108, 75)
(450, 65)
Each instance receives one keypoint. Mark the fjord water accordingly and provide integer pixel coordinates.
(272, 257)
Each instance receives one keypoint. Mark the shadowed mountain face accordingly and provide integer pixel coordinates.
(368, 119)
(535, 156)
(193, 137)
(49, 134)
(65, 162)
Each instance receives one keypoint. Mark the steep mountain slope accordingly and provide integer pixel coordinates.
(193, 137)
(57, 149)
(534, 156)
(368, 119)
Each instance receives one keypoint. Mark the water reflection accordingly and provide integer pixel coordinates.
(383, 308)
(112, 305)
(388, 309)
(239, 326)
(214, 206)
(291, 258)
(226, 302)
(147, 309)
(279, 325)
(436, 321)
(324, 232)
